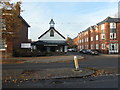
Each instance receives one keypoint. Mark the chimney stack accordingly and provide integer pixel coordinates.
(17, 8)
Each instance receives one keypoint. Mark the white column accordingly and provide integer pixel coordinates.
(65, 48)
(61, 49)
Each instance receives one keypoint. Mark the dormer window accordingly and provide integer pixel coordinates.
(51, 33)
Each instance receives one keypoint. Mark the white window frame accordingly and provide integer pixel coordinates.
(87, 39)
(96, 37)
(3, 44)
(91, 46)
(103, 46)
(102, 26)
(97, 46)
(113, 25)
(91, 38)
(111, 35)
(102, 36)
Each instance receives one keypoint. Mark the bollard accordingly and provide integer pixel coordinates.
(76, 63)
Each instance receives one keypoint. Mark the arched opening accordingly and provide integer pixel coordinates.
(51, 33)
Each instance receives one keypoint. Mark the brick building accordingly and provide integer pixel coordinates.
(75, 40)
(9, 44)
(103, 37)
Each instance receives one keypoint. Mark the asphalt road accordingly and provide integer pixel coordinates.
(99, 62)
(90, 61)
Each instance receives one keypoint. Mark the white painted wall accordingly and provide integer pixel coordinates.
(47, 36)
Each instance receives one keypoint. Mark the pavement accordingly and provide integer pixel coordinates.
(45, 59)
(111, 55)
(19, 74)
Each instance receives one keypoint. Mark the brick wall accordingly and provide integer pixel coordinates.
(92, 32)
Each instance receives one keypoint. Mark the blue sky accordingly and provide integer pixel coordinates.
(70, 17)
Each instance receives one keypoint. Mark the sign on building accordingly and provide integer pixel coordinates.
(25, 45)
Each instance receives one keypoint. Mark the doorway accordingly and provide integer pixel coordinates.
(113, 48)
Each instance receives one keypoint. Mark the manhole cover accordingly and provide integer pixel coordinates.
(56, 82)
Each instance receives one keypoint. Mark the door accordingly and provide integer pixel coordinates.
(113, 48)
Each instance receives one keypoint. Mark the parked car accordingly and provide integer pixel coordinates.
(92, 52)
(83, 51)
(72, 50)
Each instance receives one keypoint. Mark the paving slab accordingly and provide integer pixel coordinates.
(45, 73)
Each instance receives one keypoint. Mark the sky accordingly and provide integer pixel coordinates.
(70, 17)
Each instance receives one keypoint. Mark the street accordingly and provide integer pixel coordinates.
(107, 63)
(90, 61)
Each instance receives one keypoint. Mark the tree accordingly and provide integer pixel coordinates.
(10, 20)
(70, 43)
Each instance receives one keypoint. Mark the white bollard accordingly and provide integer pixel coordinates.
(76, 63)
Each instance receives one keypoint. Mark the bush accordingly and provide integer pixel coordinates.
(28, 53)
(34, 53)
(22, 53)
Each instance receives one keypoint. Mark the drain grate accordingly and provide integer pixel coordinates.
(57, 82)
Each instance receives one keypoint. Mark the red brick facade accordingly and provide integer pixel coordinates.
(102, 37)
(21, 36)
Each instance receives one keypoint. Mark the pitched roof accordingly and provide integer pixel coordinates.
(49, 30)
(91, 27)
(24, 21)
(109, 19)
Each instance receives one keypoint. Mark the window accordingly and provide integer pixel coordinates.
(82, 47)
(102, 27)
(103, 36)
(51, 33)
(96, 28)
(112, 30)
(112, 25)
(3, 25)
(2, 44)
(82, 40)
(96, 37)
(91, 46)
(97, 46)
(87, 47)
(87, 39)
(112, 35)
(91, 38)
(103, 46)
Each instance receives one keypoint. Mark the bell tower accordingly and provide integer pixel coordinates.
(52, 23)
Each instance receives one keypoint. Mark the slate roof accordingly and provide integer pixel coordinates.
(109, 19)
(91, 27)
(51, 42)
(49, 30)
